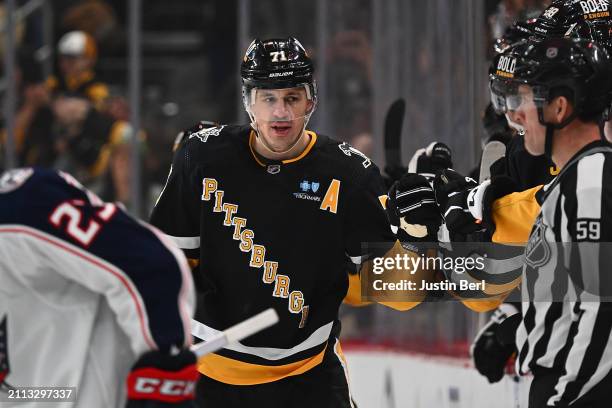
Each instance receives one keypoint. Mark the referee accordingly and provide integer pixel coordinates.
(558, 90)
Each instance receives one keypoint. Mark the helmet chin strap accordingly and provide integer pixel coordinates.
(550, 130)
(548, 141)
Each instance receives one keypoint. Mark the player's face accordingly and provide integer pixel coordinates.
(72, 66)
(280, 115)
(526, 115)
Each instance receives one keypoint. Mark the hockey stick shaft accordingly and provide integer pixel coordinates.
(492, 152)
(394, 120)
(235, 333)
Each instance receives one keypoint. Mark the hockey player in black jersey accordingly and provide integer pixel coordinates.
(275, 215)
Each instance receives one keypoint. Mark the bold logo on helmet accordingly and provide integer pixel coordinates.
(552, 52)
(550, 12)
(594, 9)
(506, 66)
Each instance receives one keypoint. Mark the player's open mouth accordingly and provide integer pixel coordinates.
(281, 128)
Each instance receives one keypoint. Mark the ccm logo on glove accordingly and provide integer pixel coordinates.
(151, 383)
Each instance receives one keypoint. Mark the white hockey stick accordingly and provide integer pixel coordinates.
(492, 152)
(235, 333)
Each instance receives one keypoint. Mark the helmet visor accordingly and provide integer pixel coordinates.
(505, 96)
(279, 106)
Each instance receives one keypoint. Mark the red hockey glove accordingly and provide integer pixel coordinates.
(161, 380)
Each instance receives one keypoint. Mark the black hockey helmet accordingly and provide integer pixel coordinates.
(515, 35)
(277, 64)
(558, 65)
(576, 68)
(503, 83)
(586, 19)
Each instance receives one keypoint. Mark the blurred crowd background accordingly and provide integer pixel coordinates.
(71, 108)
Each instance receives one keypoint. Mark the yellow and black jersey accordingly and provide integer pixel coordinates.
(514, 216)
(86, 85)
(270, 234)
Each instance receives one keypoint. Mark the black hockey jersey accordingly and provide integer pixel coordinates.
(271, 234)
(525, 169)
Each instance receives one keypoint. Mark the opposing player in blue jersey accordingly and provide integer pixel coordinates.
(90, 298)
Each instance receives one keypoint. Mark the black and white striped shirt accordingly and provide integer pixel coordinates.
(566, 323)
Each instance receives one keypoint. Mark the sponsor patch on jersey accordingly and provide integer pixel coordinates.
(537, 253)
(13, 179)
(204, 134)
(307, 187)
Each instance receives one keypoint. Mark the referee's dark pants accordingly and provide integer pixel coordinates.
(544, 381)
(324, 386)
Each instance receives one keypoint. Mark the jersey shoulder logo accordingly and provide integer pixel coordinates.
(204, 134)
(349, 150)
(13, 179)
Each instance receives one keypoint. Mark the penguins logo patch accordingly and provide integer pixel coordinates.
(204, 134)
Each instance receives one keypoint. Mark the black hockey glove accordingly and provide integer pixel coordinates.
(431, 160)
(494, 346)
(467, 206)
(452, 191)
(160, 380)
(412, 209)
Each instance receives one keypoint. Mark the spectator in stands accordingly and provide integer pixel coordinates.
(93, 146)
(77, 55)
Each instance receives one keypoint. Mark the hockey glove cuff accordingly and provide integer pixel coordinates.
(161, 380)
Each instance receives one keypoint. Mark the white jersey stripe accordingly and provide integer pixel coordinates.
(318, 337)
(185, 242)
(577, 353)
(589, 176)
